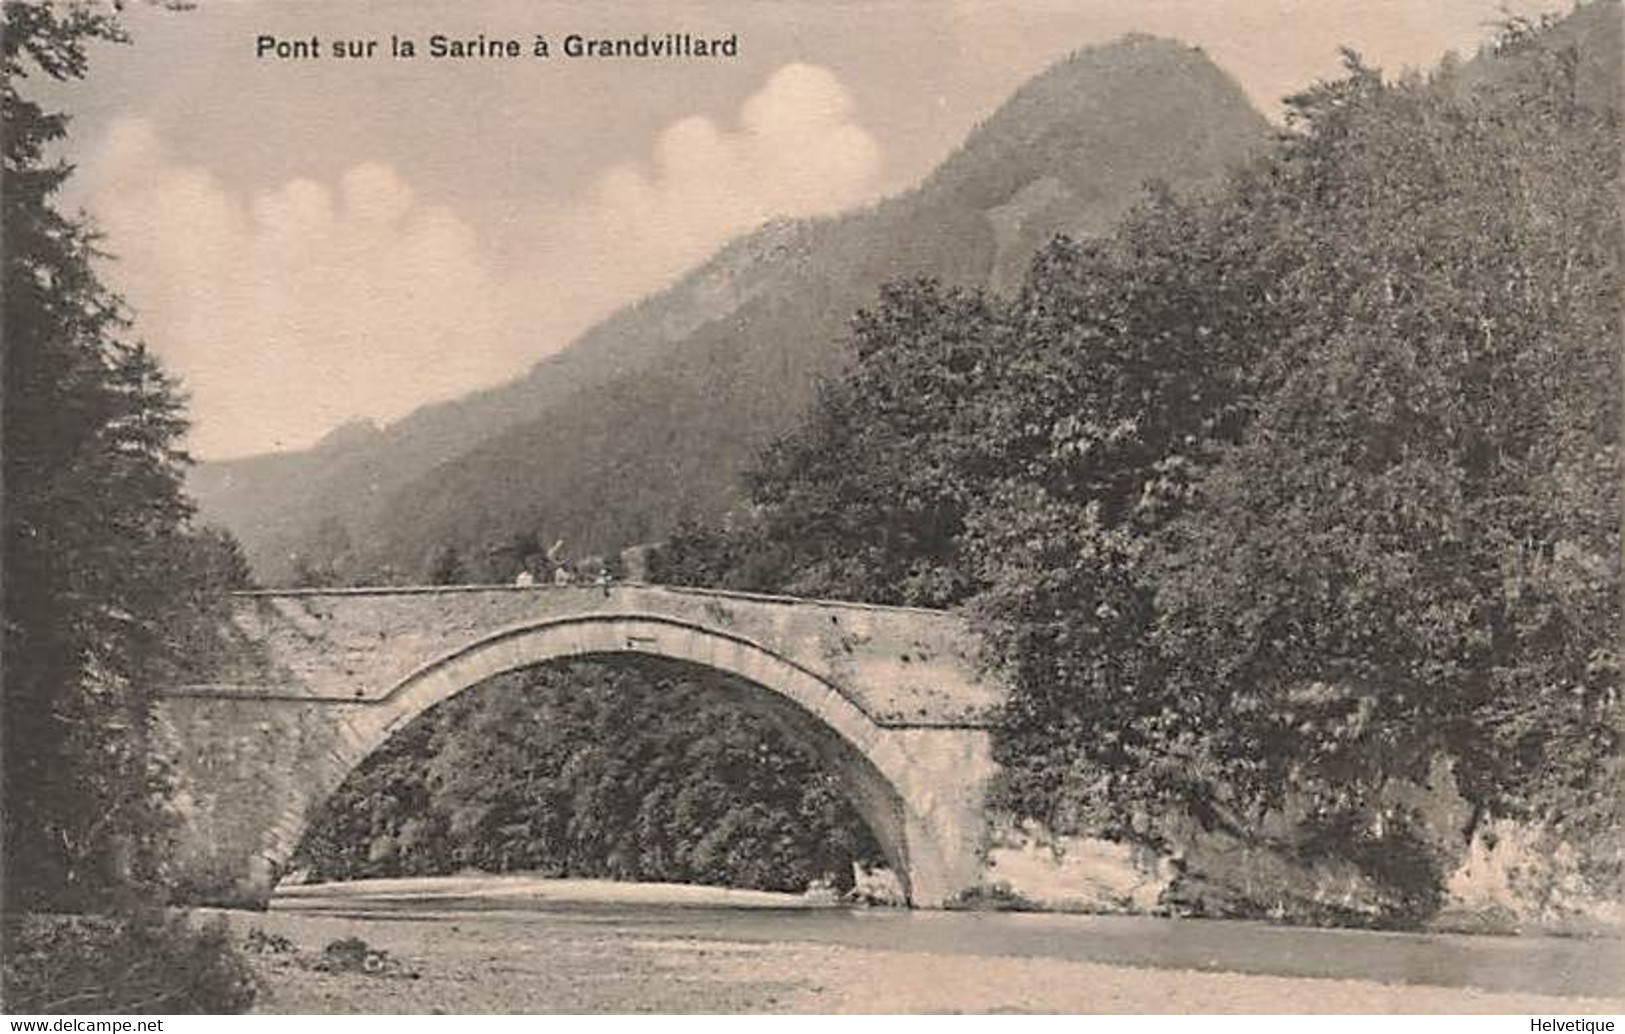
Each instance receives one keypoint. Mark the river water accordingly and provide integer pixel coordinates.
(514, 944)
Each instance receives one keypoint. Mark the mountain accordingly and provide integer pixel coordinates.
(650, 415)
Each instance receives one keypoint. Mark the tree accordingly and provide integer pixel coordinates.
(506, 556)
(867, 499)
(107, 585)
(94, 516)
(444, 566)
(1428, 498)
(1128, 372)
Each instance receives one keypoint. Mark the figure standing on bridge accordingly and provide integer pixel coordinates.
(562, 574)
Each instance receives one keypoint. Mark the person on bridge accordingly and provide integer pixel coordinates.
(562, 575)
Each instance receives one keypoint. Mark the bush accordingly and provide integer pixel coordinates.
(991, 897)
(146, 962)
(354, 955)
(258, 942)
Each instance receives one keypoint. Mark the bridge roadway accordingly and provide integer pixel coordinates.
(895, 700)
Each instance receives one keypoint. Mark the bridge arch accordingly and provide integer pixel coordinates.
(811, 711)
(329, 676)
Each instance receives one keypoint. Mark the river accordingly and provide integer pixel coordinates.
(517, 945)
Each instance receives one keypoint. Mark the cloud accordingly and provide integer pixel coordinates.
(796, 151)
(290, 310)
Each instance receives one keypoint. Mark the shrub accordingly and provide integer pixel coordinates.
(354, 955)
(135, 962)
(258, 942)
(991, 897)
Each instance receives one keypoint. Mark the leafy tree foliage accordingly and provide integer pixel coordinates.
(1421, 526)
(869, 498)
(738, 555)
(444, 566)
(1130, 371)
(594, 771)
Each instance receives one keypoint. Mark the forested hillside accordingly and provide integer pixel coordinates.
(652, 415)
(1292, 513)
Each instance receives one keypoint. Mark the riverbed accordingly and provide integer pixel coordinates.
(521, 945)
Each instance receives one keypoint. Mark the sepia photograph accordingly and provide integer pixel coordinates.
(870, 507)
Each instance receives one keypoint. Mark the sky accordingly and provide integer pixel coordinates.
(310, 242)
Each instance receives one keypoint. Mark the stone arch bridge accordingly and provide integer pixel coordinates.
(894, 700)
